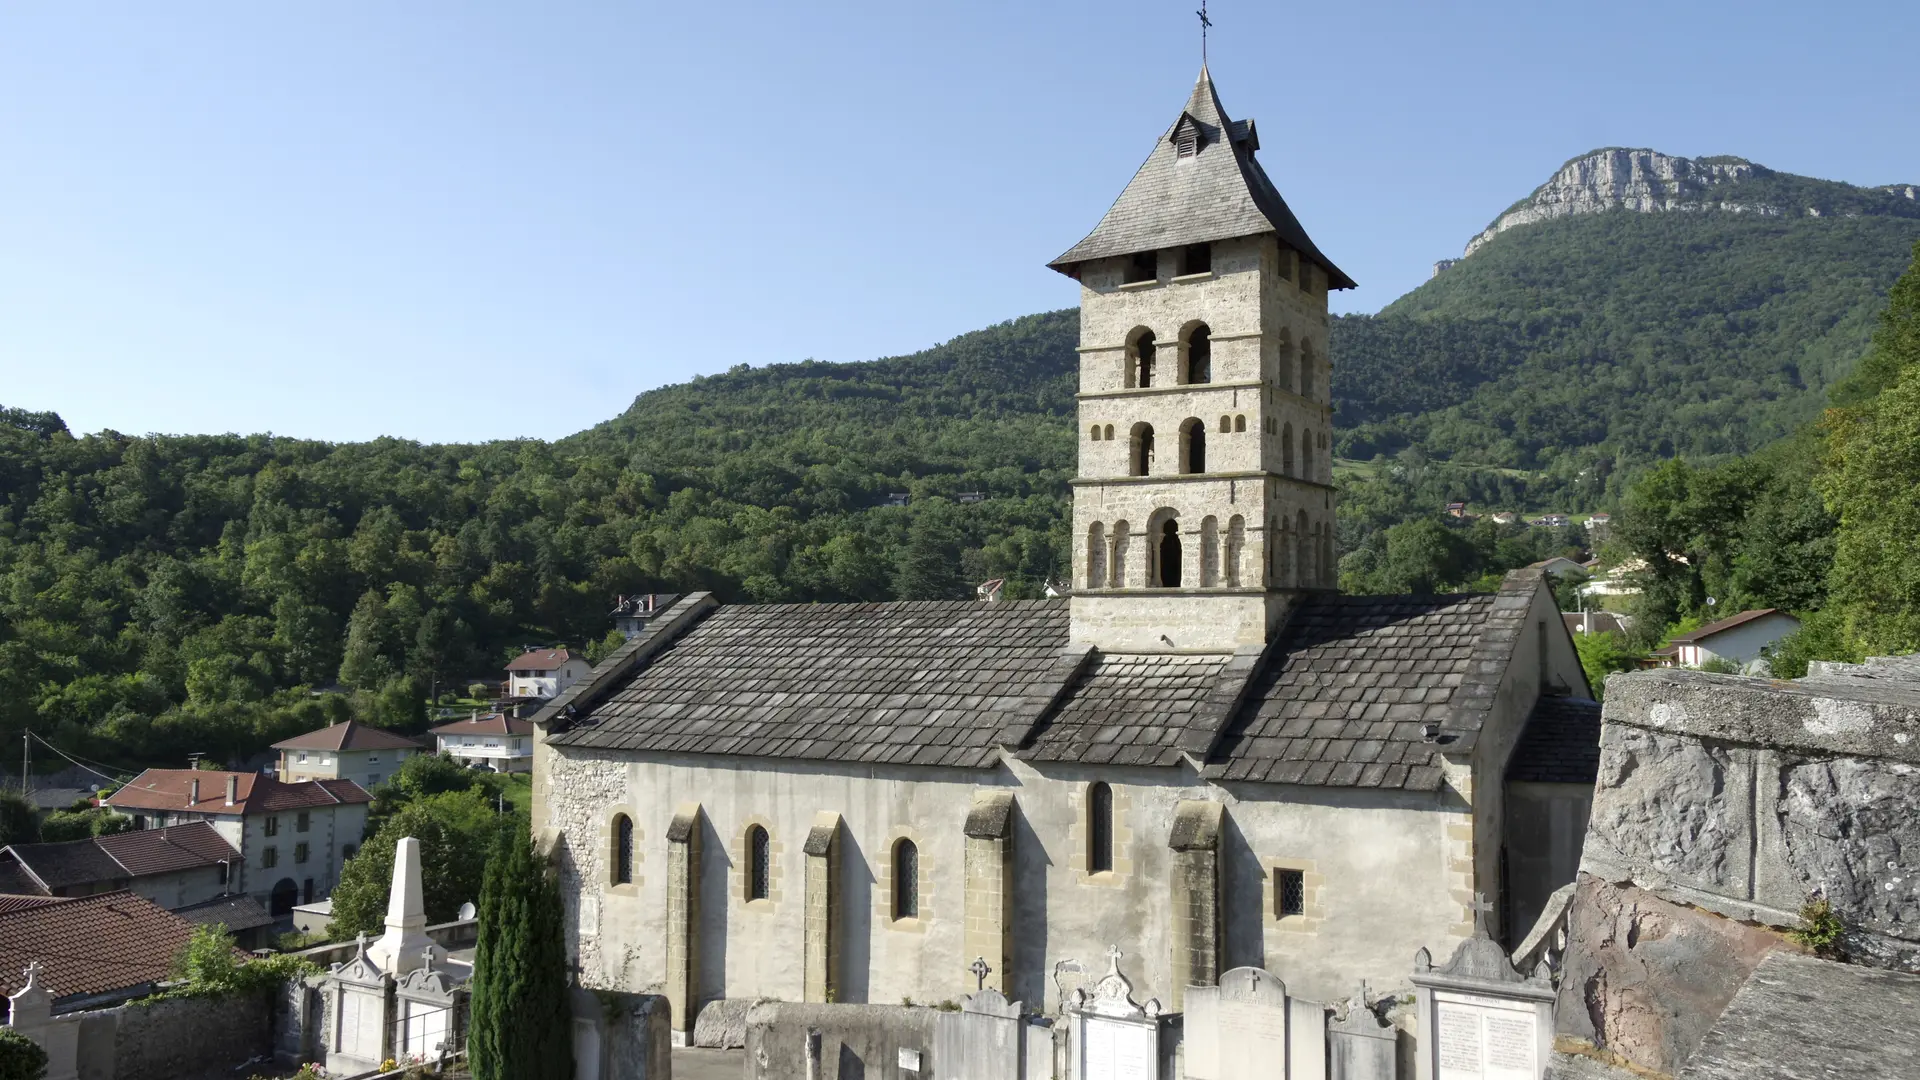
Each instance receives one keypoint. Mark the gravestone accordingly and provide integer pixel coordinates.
(1112, 1037)
(30, 1012)
(359, 995)
(1480, 1019)
(429, 1002)
(983, 1040)
(1249, 1028)
(1360, 1045)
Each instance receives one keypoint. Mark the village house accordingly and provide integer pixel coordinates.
(1204, 757)
(1559, 566)
(174, 867)
(345, 751)
(1741, 640)
(293, 839)
(494, 740)
(544, 673)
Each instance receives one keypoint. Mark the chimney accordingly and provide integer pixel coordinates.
(193, 791)
(233, 789)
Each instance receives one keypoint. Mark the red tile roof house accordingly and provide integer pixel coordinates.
(544, 673)
(496, 740)
(348, 751)
(292, 838)
(173, 867)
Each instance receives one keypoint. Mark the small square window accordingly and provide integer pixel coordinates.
(1290, 892)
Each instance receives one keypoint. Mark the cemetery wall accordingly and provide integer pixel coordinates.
(1723, 805)
(184, 1038)
(1351, 846)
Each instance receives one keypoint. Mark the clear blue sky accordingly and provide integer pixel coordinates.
(469, 220)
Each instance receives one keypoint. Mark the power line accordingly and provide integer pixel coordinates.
(77, 762)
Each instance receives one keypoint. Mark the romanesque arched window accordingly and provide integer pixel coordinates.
(1099, 828)
(1107, 433)
(1197, 354)
(1306, 456)
(759, 863)
(1094, 433)
(1306, 369)
(1286, 449)
(906, 879)
(1170, 555)
(1193, 447)
(1226, 424)
(1140, 357)
(1140, 450)
(1239, 424)
(1117, 563)
(622, 861)
(1096, 556)
(1287, 361)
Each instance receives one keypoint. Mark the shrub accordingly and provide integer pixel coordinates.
(210, 966)
(1820, 928)
(20, 1057)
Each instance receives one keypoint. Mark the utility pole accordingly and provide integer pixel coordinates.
(26, 761)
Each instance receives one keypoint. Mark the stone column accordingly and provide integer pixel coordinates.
(821, 947)
(1195, 896)
(683, 920)
(989, 888)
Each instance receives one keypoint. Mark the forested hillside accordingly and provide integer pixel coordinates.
(167, 594)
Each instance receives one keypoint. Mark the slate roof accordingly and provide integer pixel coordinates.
(90, 945)
(1560, 744)
(351, 735)
(236, 912)
(1354, 680)
(915, 682)
(1217, 194)
(1127, 710)
(171, 789)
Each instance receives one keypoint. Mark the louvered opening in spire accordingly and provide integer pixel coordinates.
(1188, 137)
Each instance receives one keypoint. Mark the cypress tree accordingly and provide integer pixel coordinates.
(521, 1015)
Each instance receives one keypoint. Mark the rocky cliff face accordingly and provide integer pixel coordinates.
(1642, 180)
(1648, 181)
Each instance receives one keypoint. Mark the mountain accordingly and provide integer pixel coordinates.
(1636, 306)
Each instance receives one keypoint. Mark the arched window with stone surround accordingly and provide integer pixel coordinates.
(1094, 433)
(1170, 555)
(1286, 449)
(1306, 369)
(1226, 425)
(1140, 450)
(1107, 433)
(1140, 358)
(1209, 551)
(1236, 544)
(1303, 552)
(1196, 355)
(906, 879)
(1239, 424)
(1193, 446)
(759, 863)
(1099, 828)
(1097, 556)
(1306, 456)
(622, 853)
(1287, 360)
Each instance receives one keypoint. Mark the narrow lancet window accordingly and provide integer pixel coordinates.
(759, 863)
(1099, 829)
(906, 880)
(622, 850)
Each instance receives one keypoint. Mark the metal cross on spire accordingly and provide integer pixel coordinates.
(1205, 23)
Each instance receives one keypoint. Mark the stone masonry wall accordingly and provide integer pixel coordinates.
(183, 1039)
(1723, 805)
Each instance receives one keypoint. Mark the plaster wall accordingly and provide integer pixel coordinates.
(329, 830)
(1743, 643)
(180, 889)
(1375, 864)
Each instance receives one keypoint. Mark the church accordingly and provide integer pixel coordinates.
(1204, 756)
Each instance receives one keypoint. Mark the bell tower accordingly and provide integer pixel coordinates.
(1204, 505)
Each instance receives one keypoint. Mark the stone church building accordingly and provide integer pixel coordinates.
(1205, 756)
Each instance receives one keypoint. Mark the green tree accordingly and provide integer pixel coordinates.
(602, 648)
(209, 965)
(456, 830)
(520, 1026)
(1424, 556)
(366, 663)
(20, 1057)
(1602, 655)
(929, 568)
(81, 824)
(19, 821)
